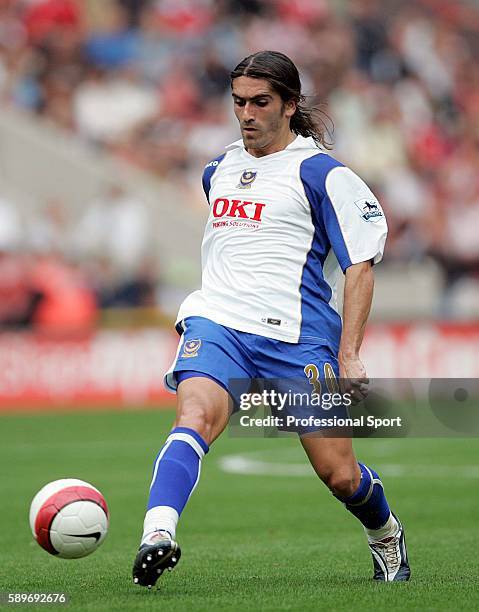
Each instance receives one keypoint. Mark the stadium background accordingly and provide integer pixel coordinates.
(109, 110)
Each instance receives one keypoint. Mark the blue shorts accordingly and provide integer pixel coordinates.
(229, 356)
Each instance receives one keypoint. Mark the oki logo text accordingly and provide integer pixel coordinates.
(228, 209)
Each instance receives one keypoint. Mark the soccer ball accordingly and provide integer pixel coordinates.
(69, 518)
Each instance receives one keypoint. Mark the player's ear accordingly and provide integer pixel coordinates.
(289, 108)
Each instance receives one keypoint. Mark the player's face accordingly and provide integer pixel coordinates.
(263, 116)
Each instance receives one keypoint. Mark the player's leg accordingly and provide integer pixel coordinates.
(356, 485)
(202, 414)
(334, 462)
(361, 491)
(208, 357)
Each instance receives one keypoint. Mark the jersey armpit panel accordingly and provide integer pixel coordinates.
(208, 173)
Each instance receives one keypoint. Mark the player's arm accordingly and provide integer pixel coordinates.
(357, 230)
(358, 294)
(356, 227)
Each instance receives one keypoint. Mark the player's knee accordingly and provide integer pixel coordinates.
(342, 482)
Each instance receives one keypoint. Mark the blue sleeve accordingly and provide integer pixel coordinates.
(208, 172)
(313, 173)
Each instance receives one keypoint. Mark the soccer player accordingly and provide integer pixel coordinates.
(285, 218)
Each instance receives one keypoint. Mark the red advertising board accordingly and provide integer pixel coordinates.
(125, 368)
(427, 350)
(108, 368)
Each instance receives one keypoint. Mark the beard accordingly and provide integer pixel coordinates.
(264, 135)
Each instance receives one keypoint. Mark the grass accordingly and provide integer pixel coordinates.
(249, 542)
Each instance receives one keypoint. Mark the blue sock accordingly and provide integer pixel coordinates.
(177, 469)
(368, 503)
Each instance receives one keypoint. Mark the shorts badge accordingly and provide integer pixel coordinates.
(191, 348)
(246, 179)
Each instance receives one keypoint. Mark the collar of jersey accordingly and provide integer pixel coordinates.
(300, 142)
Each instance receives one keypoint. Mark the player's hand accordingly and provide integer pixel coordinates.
(354, 379)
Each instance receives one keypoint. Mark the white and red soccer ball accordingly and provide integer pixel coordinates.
(69, 518)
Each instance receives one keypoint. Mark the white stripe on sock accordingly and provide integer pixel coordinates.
(196, 481)
(157, 463)
(370, 490)
(184, 437)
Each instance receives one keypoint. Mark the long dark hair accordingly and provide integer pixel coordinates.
(283, 76)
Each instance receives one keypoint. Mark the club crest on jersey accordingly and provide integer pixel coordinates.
(191, 348)
(369, 209)
(246, 179)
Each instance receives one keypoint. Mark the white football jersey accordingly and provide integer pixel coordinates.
(280, 229)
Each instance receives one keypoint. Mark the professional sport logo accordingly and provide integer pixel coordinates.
(369, 209)
(247, 179)
(191, 348)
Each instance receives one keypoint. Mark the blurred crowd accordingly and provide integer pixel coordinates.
(56, 275)
(147, 80)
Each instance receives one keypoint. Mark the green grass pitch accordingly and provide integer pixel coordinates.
(249, 542)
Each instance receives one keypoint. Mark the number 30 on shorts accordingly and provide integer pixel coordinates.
(312, 372)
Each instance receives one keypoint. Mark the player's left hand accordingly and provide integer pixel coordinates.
(353, 377)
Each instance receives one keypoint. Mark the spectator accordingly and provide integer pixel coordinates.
(18, 299)
(11, 227)
(45, 18)
(116, 226)
(115, 45)
(65, 303)
(107, 108)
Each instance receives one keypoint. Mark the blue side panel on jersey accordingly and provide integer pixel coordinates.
(314, 171)
(209, 170)
(318, 318)
(335, 234)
